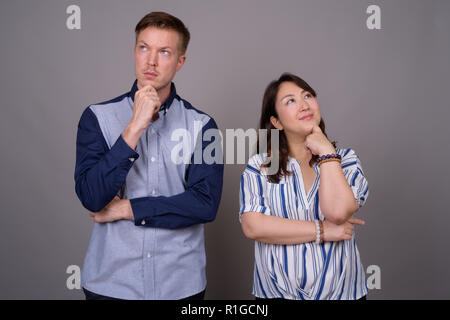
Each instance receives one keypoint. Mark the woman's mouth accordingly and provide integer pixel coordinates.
(308, 117)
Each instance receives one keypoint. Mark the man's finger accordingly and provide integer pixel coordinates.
(148, 88)
(98, 218)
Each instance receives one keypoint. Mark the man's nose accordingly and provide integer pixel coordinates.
(152, 59)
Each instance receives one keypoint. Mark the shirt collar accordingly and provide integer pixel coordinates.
(166, 105)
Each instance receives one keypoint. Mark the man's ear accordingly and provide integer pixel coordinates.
(276, 123)
(181, 60)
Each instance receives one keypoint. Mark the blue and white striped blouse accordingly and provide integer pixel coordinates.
(332, 270)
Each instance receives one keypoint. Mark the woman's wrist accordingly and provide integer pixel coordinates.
(327, 150)
(319, 231)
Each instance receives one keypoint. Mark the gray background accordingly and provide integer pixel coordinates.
(382, 92)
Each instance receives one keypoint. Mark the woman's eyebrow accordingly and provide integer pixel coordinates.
(289, 95)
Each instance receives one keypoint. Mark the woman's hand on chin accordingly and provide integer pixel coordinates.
(318, 143)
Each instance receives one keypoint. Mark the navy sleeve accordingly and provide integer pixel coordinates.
(100, 172)
(197, 204)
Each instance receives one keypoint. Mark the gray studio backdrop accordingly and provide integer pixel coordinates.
(383, 92)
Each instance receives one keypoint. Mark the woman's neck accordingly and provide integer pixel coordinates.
(298, 150)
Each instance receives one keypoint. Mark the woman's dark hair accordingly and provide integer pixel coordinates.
(268, 110)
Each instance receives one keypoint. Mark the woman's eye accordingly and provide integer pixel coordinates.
(308, 95)
(289, 101)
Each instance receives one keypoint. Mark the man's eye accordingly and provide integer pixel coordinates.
(143, 48)
(165, 52)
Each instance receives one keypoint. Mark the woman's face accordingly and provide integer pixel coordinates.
(297, 109)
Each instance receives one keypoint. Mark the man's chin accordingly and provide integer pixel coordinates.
(145, 82)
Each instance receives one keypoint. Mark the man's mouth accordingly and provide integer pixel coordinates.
(150, 75)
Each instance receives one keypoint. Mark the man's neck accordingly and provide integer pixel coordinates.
(164, 93)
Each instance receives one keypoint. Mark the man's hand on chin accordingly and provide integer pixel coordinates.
(117, 209)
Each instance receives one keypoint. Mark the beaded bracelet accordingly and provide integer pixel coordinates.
(327, 158)
(319, 231)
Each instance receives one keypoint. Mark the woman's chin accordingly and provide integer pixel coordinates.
(300, 132)
(307, 127)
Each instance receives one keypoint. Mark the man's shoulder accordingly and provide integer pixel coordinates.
(92, 112)
(112, 101)
(198, 113)
(107, 107)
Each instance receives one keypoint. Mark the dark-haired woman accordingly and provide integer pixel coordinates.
(301, 218)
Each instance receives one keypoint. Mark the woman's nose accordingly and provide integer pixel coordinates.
(303, 105)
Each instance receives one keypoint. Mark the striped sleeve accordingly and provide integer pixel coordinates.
(252, 192)
(351, 165)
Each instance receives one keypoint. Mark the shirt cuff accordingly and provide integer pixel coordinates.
(121, 150)
(253, 208)
(143, 211)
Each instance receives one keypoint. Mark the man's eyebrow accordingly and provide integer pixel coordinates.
(143, 42)
(166, 47)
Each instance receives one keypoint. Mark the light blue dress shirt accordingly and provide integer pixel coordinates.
(161, 254)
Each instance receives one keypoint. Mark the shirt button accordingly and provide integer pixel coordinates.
(153, 159)
(153, 192)
(149, 255)
(143, 222)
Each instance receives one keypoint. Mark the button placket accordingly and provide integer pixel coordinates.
(152, 169)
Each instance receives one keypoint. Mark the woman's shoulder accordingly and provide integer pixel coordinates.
(345, 152)
(256, 161)
(348, 155)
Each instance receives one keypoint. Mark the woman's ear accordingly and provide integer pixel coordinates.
(276, 123)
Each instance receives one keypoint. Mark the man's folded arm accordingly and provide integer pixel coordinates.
(197, 204)
(100, 172)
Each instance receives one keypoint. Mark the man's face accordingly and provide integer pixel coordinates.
(157, 57)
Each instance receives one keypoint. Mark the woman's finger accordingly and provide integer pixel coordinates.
(357, 221)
